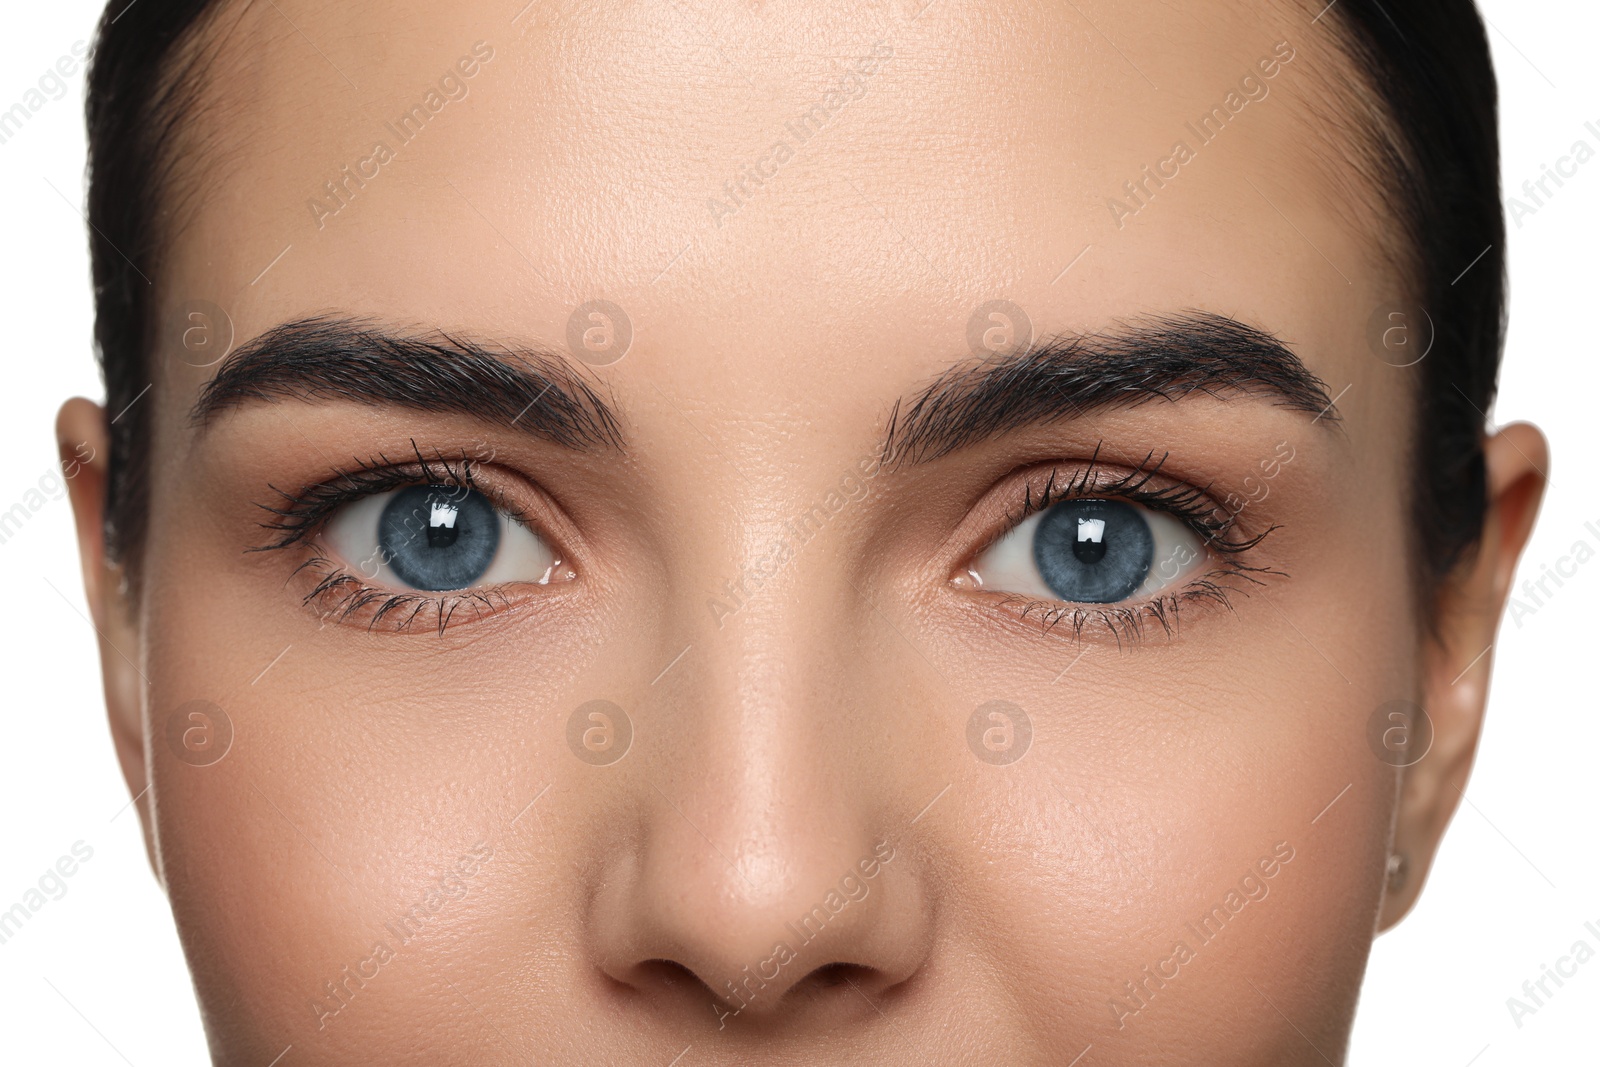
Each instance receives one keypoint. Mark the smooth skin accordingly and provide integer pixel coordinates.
(822, 726)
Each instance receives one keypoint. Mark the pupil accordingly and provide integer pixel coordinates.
(1090, 547)
(442, 529)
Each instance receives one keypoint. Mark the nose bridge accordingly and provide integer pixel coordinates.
(768, 611)
(767, 776)
(765, 854)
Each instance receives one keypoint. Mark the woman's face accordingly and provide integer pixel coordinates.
(751, 741)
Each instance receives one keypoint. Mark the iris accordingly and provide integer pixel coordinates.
(439, 536)
(1093, 551)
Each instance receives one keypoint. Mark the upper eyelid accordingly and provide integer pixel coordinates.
(1094, 477)
(302, 517)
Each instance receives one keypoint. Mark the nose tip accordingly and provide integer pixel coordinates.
(764, 936)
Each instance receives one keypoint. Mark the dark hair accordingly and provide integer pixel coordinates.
(134, 104)
(1429, 63)
(1435, 145)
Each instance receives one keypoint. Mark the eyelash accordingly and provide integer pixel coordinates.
(1190, 505)
(303, 514)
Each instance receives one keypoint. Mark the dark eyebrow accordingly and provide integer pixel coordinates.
(327, 358)
(1069, 376)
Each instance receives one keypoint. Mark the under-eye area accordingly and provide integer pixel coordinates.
(395, 544)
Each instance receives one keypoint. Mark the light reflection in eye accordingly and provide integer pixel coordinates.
(1091, 551)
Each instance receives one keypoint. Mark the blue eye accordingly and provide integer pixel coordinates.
(1093, 551)
(439, 536)
(1090, 551)
(435, 538)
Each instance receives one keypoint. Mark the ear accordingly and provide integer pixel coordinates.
(83, 441)
(1455, 681)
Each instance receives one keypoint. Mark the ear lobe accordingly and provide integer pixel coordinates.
(83, 443)
(1456, 668)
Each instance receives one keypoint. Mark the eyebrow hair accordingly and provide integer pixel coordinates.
(1070, 376)
(329, 358)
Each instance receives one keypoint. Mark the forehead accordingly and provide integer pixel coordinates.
(766, 188)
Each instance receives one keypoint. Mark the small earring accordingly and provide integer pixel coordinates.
(1397, 871)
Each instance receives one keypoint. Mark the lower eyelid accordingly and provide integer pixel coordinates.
(345, 598)
(1131, 621)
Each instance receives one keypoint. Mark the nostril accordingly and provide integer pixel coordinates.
(843, 985)
(676, 980)
(834, 975)
(668, 974)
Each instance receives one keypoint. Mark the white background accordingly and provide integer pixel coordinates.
(97, 976)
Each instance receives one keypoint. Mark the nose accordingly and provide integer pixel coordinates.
(769, 874)
(763, 926)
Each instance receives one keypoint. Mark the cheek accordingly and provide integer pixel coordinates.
(310, 863)
(1113, 858)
